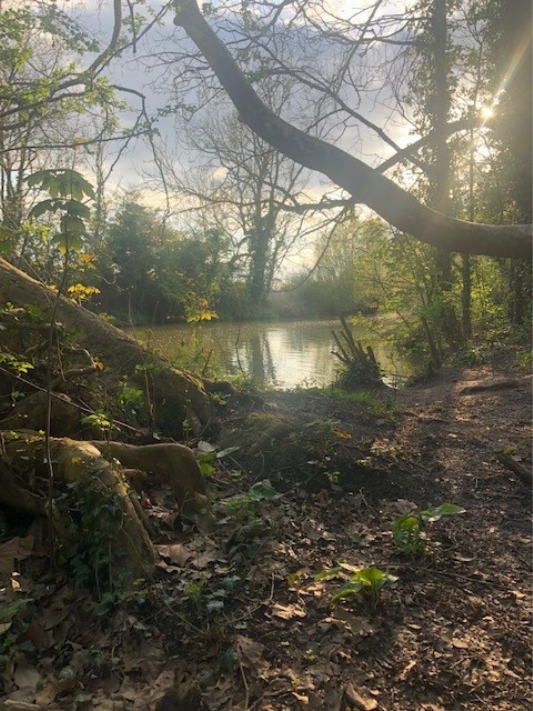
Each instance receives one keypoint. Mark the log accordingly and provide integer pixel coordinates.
(177, 395)
(523, 473)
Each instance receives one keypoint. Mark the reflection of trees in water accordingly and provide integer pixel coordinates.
(285, 355)
(261, 363)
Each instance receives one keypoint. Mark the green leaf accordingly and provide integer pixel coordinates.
(347, 590)
(437, 512)
(78, 209)
(226, 452)
(7, 612)
(350, 568)
(72, 224)
(67, 241)
(375, 578)
(41, 207)
(213, 605)
(36, 179)
(262, 491)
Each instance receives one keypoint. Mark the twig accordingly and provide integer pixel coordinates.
(246, 688)
(523, 473)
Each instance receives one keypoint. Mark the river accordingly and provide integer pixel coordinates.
(283, 354)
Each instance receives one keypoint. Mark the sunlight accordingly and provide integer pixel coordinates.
(514, 63)
(487, 112)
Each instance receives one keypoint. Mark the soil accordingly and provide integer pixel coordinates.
(237, 619)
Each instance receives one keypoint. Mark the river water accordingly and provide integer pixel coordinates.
(283, 355)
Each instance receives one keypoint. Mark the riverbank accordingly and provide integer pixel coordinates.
(237, 618)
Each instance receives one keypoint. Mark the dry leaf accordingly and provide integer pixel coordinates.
(177, 553)
(26, 676)
(287, 612)
(460, 643)
(250, 652)
(359, 702)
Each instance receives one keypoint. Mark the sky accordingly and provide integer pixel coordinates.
(131, 71)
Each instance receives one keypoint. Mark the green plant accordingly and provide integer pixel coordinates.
(376, 405)
(409, 532)
(67, 188)
(15, 617)
(91, 516)
(245, 506)
(524, 359)
(251, 524)
(206, 459)
(365, 584)
(187, 430)
(100, 420)
(19, 367)
(131, 398)
(474, 355)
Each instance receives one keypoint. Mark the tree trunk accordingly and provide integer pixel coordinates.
(177, 396)
(439, 108)
(366, 185)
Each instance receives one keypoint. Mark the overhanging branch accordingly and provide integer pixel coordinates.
(365, 184)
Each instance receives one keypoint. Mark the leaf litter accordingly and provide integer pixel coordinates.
(238, 620)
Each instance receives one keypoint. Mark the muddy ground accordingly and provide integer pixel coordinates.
(237, 618)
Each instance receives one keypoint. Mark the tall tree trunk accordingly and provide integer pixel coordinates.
(441, 180)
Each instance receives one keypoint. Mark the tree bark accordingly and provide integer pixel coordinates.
(177, 395)
(365, 184)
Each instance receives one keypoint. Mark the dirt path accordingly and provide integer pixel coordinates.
(453, 633)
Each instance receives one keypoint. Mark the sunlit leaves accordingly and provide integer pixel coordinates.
(67, 189)
(437, 512)
(20, 367)
(408, 531)
(365, 583)
(80, 292)
(201, 312)
(62, 182)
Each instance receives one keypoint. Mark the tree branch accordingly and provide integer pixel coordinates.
(365, 184)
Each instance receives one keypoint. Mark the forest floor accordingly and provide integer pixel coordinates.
(237, 618)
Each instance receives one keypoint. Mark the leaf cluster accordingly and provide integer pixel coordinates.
(409, 532)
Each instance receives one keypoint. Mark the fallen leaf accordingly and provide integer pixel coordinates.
(342, 434)
(250, 652)
(359, 702)
(287, 612)
(177, 553)
(26, 676)
(460, 643)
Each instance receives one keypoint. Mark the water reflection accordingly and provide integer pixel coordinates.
(282, 355)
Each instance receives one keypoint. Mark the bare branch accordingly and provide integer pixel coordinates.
(366, 185)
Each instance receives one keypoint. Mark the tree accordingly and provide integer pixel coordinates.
(508, 34)
(363, 183)
(148, 269)
(247, 190)
(129, 256)
(52, 109)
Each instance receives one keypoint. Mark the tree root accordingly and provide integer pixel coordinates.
(92, 466)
